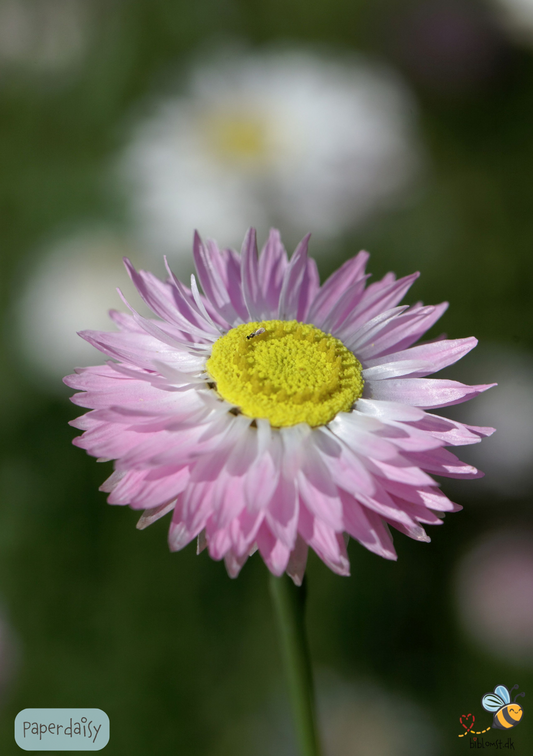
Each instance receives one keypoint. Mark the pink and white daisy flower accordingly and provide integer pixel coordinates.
(273, 413)
(293, 136)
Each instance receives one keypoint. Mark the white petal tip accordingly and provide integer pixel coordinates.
(296, 578)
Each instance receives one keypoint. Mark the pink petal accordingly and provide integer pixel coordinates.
(451, 432)
(328, 544)
(442, 462)
(350, 428)
(347, 469)
(158, 296)
(282, 512)
(150, 488)
(179, 535)
(125, 322)
(385, 506)
(152, 515)
(212, 283)
(399, 332)
(274, 552)
(289, 300)
(357, 340)
(418, 513)
(234, 563)
(109, 441)
(367, 528)
(418, 361)
(389, 411)
(218, 540)
(201, 542)
(425, 392)
(229, 263)
(308, 289)
(378, 298)
(334, 288)
(318, 491)
(262, 479)
(243, 531)
(401, 470)
(140, 349)
(273, 263)
(413, 531)
(344, 306)
(251, 289)
(298, 561)
(432, 498)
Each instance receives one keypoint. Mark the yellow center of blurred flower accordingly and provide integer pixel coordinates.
(237, 138)
(286, 372)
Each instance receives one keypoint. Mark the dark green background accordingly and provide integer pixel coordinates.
(180, 657)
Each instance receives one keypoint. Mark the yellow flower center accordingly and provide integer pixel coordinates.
(241, 138)
(286, 372)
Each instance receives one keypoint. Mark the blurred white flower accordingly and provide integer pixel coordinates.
(43, 34)
(494, 594)
(302, 141)
(355, 719)
(506, 457)
(362, 719)
(70, 287)
(516, 16)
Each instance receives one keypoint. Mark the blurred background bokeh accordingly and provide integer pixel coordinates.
(401, 126)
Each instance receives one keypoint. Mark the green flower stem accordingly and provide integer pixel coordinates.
(289, 605)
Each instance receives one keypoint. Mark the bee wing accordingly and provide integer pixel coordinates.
(492, 702)
(502, 691)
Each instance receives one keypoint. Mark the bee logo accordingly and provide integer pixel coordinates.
(506, 714)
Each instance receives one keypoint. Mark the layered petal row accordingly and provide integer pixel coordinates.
(236, 483)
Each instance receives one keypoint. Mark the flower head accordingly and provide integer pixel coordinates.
(273, 413)
(290, 137)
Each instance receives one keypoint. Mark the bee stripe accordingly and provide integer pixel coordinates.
(505, 719)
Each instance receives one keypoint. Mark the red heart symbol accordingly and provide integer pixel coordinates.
(466, 717)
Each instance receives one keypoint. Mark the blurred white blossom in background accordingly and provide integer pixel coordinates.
(355, 719)
(507, 457)
(297, 140)
(516, 16)
(364, 718)
(71, 287)
(43, 35)
(494, 594)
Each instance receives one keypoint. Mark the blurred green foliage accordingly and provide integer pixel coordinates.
(182, 658)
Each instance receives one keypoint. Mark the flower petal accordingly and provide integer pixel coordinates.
(335, 287)
(291, 290)
(273, 551)
(273, 263)
(367, 527)
(418, 361)
(328, 544)
(425, 392)
(298, 561)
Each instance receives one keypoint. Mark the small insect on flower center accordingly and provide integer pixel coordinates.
(286, 372)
